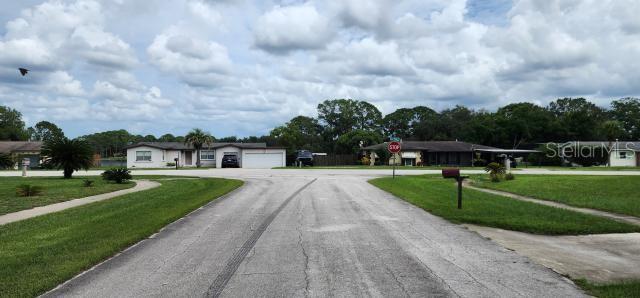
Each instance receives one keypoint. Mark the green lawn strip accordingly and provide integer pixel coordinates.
(628, 289)
(39, 253)
(438, 196)
(618, 194)
(361, 167)
(54, 190)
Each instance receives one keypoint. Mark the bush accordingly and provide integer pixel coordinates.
(28, 190)
(365, 161)
(171, 164)
(6, 162)
(509, 176)
(479, 162)
(119, 175)
(495, 171)
(87, 183)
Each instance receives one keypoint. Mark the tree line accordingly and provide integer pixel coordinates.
(344, 125)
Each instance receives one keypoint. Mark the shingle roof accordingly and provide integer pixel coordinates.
(434, 146)
(183, 146)
(19, 146)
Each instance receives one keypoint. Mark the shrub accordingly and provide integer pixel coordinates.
(509, 176)
(365, 160)
(495, 171)
(87, 183)
(171, 164)
(68, 155)
(28, 190)
(119, 175)
(6, 162)
(479, 162)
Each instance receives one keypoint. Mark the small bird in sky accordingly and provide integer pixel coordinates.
(23, 71)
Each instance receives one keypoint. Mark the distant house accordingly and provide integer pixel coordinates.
(445, 153)
(163, 154)
(623, 153)
(20, 150)
(432, 152)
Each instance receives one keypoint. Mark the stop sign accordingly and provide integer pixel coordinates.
(394, 147)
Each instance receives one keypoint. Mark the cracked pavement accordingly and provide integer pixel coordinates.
(339, 236)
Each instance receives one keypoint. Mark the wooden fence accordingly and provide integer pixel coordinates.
(335, 160)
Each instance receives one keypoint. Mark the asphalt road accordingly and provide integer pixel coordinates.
(315, 234)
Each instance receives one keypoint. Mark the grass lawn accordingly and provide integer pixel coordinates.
(619, 194)
(624, 289)
(55, 190)
(361, 167)
(39, 253)
(438, 196)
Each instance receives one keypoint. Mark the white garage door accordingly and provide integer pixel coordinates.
(262, 160)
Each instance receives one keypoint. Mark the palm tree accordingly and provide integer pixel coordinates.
(197, 138)
(611, 130)
(68, 155)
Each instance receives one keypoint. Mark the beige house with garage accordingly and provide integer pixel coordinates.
(167, 154)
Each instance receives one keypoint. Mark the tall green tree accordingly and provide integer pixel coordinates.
(301, 132)
(45, 131)
(110, 143)
(406, 123)
(522, 123)
(68, 155)
(578, 119)
(351, 142)
(167, 138)
(197, 138)
(343, 115)
(627, 112)
(11, 125)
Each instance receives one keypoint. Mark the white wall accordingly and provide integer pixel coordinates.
(630, 161)
(282, 163)
(157, 160)
(220, 153)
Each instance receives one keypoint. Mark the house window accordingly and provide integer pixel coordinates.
(143, 155)
(207, 155)
(622, 155)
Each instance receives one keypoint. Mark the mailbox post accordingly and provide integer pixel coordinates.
(455, 174)
(25, 164)
(176, 160)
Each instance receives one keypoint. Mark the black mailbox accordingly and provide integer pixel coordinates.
(451, 173)
(455, 174)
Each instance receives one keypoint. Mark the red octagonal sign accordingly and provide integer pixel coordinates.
(394, 147)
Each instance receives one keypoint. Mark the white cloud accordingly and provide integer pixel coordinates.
(242, 67)
(288, 28)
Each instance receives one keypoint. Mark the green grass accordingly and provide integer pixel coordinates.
(361, 167)
(55, 190)
(619, 194)
(39, 253)
(627, 289)
(438, 196)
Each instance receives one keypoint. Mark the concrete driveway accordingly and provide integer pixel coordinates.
(314, 233)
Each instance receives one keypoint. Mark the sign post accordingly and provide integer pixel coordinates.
(394, 148)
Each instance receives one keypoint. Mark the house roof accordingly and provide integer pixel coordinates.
(19, 146)
(183, 146)
(433, 146)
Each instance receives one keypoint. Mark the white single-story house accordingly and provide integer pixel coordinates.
(164, 154)
(622, 153)
(23, 149)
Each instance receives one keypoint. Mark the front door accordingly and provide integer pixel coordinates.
(187, 158)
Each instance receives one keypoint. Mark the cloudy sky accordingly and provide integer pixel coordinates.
(241, 67)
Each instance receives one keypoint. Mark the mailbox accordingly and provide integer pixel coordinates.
(451, 173)
(455, 174)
